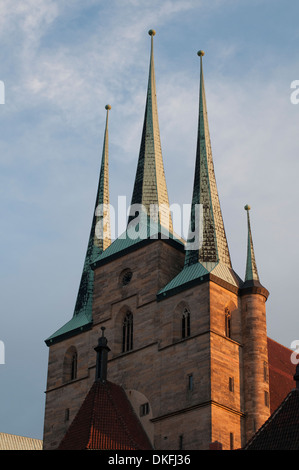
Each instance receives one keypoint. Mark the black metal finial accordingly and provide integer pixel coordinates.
(102, 357)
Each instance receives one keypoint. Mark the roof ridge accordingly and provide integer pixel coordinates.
(279, 344)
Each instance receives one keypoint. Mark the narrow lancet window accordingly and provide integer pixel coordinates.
(74, 366)
(127, 343)
(70, 365)
(186, 323)
(227, 323)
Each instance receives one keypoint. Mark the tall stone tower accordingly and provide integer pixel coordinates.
(187, 337)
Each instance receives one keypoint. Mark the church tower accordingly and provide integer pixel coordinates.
(255, 353)
(187, 337)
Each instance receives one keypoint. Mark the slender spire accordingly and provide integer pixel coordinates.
(150, 185)
(211, 246)
(251, 273)
(99, 238)
(102, 237)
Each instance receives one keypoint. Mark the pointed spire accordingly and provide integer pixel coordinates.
(102, 229)
(251, 273)
(99, 238)
(150, 185)
(252, 284)
(211, 246)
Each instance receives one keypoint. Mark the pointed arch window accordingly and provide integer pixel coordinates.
(70, 364)
(186, 323)
(228, 323)
(127, 341)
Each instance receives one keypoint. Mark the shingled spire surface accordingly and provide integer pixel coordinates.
(213, 246)
(251, 273)
(207, 254)
(150, 188)
(99, 240)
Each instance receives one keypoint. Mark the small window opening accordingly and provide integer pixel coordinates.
(144, 409)
(231, 441)
(190, 382)
(266, 373)
(228, 323)
(67, 414)
(267, 399)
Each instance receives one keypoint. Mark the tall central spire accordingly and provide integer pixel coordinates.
(212, 246)
(150, 186)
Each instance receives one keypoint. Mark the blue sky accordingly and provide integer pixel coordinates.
(61, 63)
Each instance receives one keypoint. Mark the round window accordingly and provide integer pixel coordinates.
(126, 277)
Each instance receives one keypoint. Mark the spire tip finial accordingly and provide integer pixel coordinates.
(247, 207)
(107, 106)
(200, 53)
(152, 32)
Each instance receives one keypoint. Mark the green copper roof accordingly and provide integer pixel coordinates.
(99, 240)
(139, 231)
(78, 323)
(197, 273)
(214, 247)
(150, 185)
(251, 273)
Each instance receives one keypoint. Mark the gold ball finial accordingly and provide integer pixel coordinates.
(200, 53)
(152, 32)
(107, 106)
(247, 207)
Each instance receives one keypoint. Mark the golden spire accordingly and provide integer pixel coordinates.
(150, 188)
(102, 235)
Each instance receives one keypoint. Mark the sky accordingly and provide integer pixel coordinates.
(61, 62)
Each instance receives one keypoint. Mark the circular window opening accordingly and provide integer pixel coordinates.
(126, 277)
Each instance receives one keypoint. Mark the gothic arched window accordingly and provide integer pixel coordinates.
(70, 364)
(185, 323)
(228, 323)
(127, 342)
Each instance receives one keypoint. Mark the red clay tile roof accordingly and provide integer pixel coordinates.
(106, 421)
(281, 373)
(281, 430)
